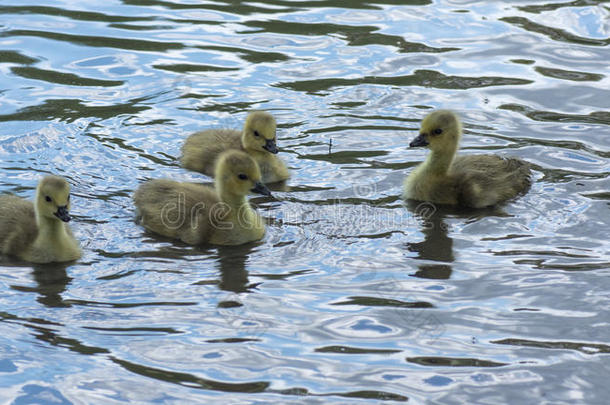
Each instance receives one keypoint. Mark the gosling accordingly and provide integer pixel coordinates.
(39, 233)
(197, 214)
(257, 139)
(474, 181)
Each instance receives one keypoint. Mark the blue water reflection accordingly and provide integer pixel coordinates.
(353, 296)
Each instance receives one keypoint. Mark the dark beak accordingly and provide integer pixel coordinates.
(260, 188)
(270, 146)
(62, 213)
(419, 141)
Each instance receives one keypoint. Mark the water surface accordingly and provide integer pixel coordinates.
(353, 296)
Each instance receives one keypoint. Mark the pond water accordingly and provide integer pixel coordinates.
(353, 296)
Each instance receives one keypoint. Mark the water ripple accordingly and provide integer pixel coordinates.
(353, 295)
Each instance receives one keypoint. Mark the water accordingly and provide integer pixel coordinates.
(353, 296)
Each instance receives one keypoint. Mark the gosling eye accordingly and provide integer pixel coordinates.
(437, 131)
(48, 199)
(242, 176)
(256, 133)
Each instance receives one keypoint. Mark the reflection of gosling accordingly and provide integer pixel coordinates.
(472, 181)
(39, 233)
(257, 139)
(198, 214)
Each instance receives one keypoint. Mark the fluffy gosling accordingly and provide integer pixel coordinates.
(474, 181)
(257, 139)
(39, 232)
(197, 214)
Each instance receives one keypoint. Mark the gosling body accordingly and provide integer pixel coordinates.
(474, 181)
(197, 214)
(39, 232)
(201, 150)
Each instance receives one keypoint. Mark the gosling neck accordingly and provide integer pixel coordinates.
(439, 161)
(235, 201)
(257, 153)
(243, 139)
(50, 229)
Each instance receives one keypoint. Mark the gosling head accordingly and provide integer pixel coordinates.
(259, 132)
(238, 174)
(440, 132)
(53, 198)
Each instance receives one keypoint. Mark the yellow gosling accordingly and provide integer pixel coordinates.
(39, 232)
(197, 214)
(257, 139)
(475, 181)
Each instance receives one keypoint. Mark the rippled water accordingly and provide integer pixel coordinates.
(353, 296)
